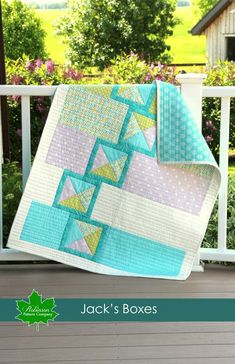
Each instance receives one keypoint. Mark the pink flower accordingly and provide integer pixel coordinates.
(148, 77)
(16, 80)
(49, 66)
(209, 124)
(73, 74)
(209, 138)
(16, 98)
(152, 67)
(160, 66)
(38, 63)
(132, 54)
(19, 132)
(158, 78)
(41, 108)
(30, 66)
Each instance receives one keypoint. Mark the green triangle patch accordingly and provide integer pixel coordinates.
(92, 240)
(74, 202)
(143, 121)
(105, 171)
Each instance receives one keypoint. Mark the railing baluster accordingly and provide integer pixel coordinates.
(26, 137)
(223, 163)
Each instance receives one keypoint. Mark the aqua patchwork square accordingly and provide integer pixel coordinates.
(141, 132)
(44, 225)
(74, 193)
(82, 237)
(109, 163)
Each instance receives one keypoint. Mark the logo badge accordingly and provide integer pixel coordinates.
(36, 311)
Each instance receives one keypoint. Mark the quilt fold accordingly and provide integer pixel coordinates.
(123, 183)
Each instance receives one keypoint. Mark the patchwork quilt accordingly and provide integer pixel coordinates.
(123, 183)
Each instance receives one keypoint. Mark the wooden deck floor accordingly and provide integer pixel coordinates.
(124, 343)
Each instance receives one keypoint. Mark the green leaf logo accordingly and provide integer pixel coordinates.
(36, 311)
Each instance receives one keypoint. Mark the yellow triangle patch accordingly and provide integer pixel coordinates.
(144, 122)
(105, 171)
(73, 202)
(93, 240)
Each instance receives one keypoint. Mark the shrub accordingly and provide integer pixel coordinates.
(131, 69)
(23, 32)
(98, 30)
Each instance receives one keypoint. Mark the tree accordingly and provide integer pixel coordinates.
(203, 6)
(23, 33)
(96, 31)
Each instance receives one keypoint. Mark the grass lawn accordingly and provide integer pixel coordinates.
(55, 47)
(186, 48)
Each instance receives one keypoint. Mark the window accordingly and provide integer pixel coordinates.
(231, 48)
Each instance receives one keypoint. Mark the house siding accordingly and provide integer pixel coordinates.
(216, 34)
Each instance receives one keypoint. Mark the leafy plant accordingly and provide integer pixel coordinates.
(131, 69)
(96, 31)
(203, 6)
(23, 32)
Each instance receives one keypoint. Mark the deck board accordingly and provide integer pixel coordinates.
(122, 343)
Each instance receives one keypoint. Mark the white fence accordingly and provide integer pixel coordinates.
(193, 91)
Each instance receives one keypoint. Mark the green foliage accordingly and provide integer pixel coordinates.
(203, 6)
(131, 69)
(23, 33)
(126, 69)
(211, 237)
(96, 31)
(222, 74)
(36, 311)
(12, 191)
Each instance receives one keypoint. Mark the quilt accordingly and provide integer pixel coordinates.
(123, 183)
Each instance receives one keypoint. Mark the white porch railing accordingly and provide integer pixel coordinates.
(193, 91)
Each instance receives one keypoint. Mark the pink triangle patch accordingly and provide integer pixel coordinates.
(100, 159)
(68, 190)
(150, 136)
(81, 246)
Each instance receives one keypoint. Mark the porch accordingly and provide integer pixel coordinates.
(141, 343)
(126, 343)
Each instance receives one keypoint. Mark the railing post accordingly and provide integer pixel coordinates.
(191, 90)
(1, 199)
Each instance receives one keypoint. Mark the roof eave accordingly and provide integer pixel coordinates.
(199, 28)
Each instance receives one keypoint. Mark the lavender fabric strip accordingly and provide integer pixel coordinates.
(166, 184)
(70, 149)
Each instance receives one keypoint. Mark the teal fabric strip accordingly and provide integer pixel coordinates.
(44, 225)
(179, 139)
(135, 254)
